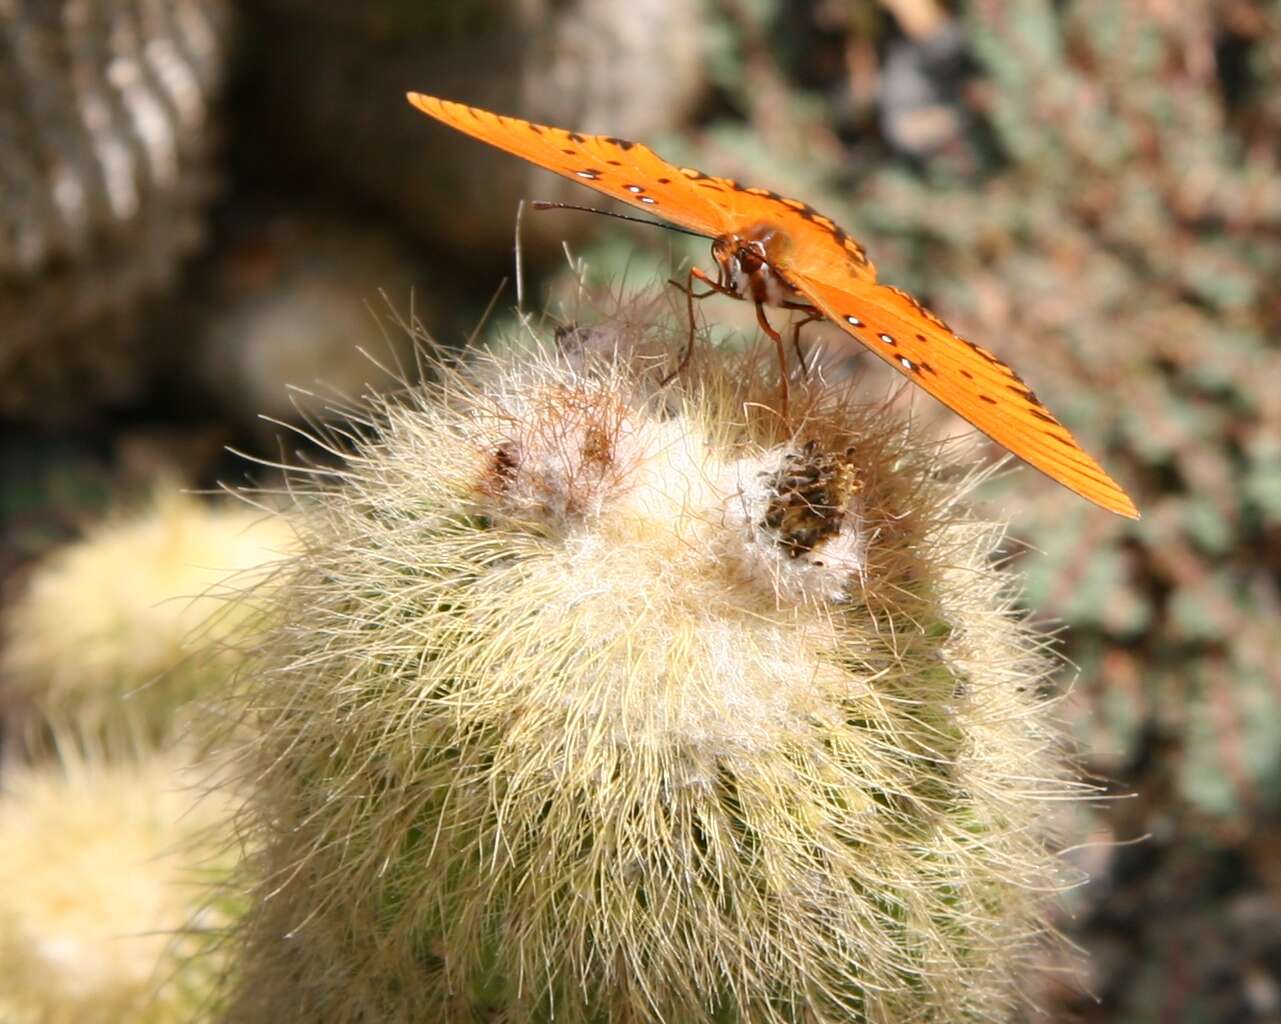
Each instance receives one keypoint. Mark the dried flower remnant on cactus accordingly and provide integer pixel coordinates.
(592, 699)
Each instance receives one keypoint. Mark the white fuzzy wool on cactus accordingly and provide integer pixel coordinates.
(593, 699)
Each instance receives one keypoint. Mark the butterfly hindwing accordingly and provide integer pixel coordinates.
(965, 377)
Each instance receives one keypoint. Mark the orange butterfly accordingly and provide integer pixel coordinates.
(771, 250)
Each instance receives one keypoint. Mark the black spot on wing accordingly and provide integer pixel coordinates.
(576, 137)
(984, 353)
(1025, 392)
(623, 144)
(920, 307)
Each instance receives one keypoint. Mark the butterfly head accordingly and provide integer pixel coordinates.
(749, 262)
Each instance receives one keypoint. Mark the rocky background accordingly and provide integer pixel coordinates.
(205, 202)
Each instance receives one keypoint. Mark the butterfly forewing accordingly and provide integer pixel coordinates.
(965, 377)
(635, 174)
(627, 171)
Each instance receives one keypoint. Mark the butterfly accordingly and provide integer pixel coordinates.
(776, 251)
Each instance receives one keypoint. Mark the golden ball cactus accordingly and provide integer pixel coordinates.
(113, 633)
(106, 870)
(598, 699)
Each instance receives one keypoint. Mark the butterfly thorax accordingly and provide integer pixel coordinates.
(749, 263)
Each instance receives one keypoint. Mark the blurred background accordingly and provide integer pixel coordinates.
(203, 202)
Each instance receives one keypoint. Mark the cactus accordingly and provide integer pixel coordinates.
(104, 116)
(104, 869)
(114, 633)
(594, 699)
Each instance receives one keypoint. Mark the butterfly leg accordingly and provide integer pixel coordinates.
(811, 315)
(713, 288)
(782, 355)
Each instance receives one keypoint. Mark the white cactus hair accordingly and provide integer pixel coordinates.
(598, 698)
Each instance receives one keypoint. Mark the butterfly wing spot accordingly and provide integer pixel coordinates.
(886, 338)
(989, 356)
(664, 181)
(623, 144)
(989, 399)
(856, 252)
(926, 313)
(634, 189)
(854, 321)
(906, 363)
(576, 137)
(649, 200)
(589, 174)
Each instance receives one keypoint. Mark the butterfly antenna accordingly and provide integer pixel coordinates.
(541, 204)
